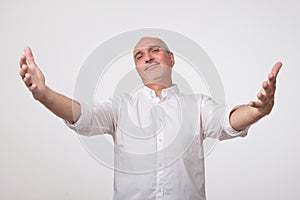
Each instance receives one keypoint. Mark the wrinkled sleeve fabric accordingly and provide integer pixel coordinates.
(95, 119)
(215, 120)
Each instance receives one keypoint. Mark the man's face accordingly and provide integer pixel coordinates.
(152, 60)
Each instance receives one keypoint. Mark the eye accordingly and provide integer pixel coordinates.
(155, 50)
(138, 57)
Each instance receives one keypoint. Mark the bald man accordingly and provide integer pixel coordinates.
(158, 132)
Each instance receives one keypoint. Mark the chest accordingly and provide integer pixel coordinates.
(153, 134)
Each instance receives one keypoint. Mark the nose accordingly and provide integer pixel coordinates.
(148, 57)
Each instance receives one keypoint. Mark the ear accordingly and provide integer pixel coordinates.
(171, 57)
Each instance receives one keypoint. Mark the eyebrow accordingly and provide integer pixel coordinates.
(154, 46)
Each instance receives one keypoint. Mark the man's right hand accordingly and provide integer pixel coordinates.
(34, 79)
(32, 75)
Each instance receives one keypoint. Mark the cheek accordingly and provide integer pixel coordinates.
(139, 70)
(138, 64)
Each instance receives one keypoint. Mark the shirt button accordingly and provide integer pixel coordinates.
(160, 140)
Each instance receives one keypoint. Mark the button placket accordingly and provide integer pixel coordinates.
(160, 157)
(159, 150)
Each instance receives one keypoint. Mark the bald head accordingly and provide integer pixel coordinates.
(145, 42)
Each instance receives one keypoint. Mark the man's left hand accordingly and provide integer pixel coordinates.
(265, 101)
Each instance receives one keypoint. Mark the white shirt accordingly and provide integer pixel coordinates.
(158, 151)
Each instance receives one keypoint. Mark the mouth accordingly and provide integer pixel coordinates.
(151, 66)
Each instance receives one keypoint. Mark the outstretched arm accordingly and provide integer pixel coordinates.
(246, 115)
(34, 80)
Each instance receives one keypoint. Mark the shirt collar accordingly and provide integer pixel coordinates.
(167, 92)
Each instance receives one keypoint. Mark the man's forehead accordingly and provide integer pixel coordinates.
(149, 42)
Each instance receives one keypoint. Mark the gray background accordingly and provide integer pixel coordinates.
(42, 159)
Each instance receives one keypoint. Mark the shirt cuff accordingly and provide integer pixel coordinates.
(84, 117)
(227, 126)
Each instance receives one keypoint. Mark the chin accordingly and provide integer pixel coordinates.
(154, 79)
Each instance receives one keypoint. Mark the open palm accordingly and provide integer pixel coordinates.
(32, 76)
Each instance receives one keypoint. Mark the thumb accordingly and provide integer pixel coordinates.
(29, 55)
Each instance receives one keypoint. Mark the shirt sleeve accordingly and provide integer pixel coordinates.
(227, 131)
(215, 120)
(95, 119)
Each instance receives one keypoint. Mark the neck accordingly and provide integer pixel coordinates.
(158, 88)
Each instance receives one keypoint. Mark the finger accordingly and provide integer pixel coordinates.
(271, 78)
(22, 60)
(251, 103)
(32, 87)
(23, 70)
(260, 96)
(271, 85)
(275, 70)
(27, 80)
(29, 56)
(263, 97)
(255, 104)
(22, 73)
(267, 88)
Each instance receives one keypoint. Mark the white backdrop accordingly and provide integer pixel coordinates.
(42, 159)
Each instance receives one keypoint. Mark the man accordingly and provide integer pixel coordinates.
(158, 132)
